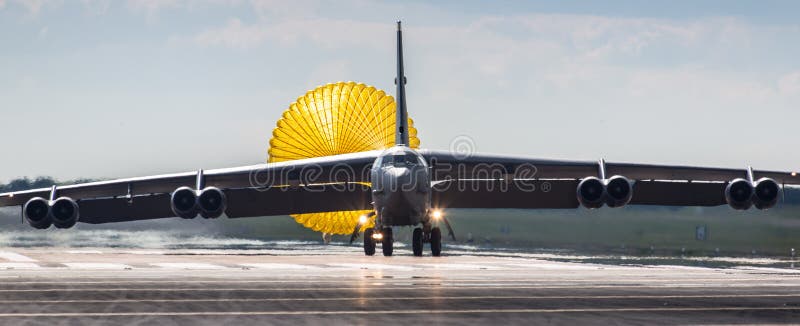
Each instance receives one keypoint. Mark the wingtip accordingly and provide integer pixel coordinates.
(398, 25)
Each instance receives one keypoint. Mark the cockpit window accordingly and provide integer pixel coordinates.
(401, 159)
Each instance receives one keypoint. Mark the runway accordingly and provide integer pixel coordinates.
(211, 287)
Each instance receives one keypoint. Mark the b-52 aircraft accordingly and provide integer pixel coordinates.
(400, 185)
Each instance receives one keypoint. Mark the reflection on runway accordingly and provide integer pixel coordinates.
(211, 287)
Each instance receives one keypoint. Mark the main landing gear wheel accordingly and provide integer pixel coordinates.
(388, 242)
(436, 242)
(417, 242)
(369, 243)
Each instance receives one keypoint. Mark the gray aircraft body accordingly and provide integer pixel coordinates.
(401, 186)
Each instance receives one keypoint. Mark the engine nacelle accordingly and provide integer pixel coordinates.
(37, 212)
(591, 192)
(212, 202)
(619, 191)
(64, 213)
(766, 193)
(739, 194)
(184, 202)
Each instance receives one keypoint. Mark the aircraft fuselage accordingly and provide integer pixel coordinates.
(401, 188)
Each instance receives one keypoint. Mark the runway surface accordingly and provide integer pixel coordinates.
(211, 287)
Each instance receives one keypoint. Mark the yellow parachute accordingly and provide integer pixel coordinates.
(339, 118)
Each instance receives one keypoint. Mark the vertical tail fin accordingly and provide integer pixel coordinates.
(401, 135)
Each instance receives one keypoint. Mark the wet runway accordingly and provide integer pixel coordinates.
(211, 287)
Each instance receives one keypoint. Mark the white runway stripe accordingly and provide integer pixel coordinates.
(380, 287)
(460, 266)
(97, 266)
(279, 266)
(569, 297)
(144, 252)
(192, 266)
(84, 252)
(371, 266)
(15, 257)
(394, 312)
(19, 266)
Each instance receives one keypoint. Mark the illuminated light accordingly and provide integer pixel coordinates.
(362, 220)
(339, 118)
(377, 236)
(437, 214)
(11, 196)
(794, 174)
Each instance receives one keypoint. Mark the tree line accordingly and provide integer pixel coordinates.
(27, 183)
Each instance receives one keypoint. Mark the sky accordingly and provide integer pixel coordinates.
(105, 89)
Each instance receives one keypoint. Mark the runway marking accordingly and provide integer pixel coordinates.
(144, 252)
(15, 257)
(461, 266)
(558, 297)
(408, 288)
(84, 252)
(361, 280)
(556, 266)
(391, 312)
(279, 266)
(371, 266)
(191, 266)
(97, 266)
(19, 266)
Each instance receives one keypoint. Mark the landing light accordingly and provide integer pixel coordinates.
(377, 236)
(362, 219)
(794, 174)
(437, 214)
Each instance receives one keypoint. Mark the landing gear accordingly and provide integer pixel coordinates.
(416, 242)
(388, 242)
(369, 243)
(436, 242)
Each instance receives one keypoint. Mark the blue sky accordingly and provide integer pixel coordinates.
(121, 88)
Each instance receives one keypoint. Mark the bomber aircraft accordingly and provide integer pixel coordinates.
(400, 185)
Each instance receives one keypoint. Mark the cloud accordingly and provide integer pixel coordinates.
(233, 35)
(96, 7)
(327, 33)
(152, 8)
(34, 7)
(790, 83)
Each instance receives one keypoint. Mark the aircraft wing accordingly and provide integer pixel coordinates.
(497, 181)
(332, 183)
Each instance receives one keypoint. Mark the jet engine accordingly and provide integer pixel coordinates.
(184, 202)
(212, 202)
(739, 194)
(766, 193)
(37, 212)
(618, 191)
(64, 213)
(591, 192)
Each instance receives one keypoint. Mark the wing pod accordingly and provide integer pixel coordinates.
(212, 202)
(619, 191)
(591, 192)
(64, 213)
(37, 212)
(739, 194)
(184, 202)
(766, 193)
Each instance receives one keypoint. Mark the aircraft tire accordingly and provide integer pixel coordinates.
(369, 243)
(388, 242)
(417, 242)
(436, 242)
